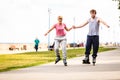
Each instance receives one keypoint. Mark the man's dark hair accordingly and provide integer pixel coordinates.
(93, 11)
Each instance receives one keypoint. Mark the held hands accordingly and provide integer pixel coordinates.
(73, 27)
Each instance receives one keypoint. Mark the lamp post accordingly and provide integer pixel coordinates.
(49, 12)
(74, 33)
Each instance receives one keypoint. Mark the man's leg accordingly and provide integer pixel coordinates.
(63, 44)
(56, 48)
(88, 49)
(95, 48)
(88, 46)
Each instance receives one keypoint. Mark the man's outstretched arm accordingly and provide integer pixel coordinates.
(81, 25)
(104, 23)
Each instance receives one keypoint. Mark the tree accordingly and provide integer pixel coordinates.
(118, 3)
(118, 6)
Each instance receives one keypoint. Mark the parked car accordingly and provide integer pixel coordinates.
(73, 44)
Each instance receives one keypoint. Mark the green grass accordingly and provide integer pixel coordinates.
(16, 61)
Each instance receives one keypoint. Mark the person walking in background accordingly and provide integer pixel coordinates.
(92, 37)
(36, 44)
(60, 39)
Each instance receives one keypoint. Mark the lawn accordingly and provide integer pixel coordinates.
(16, 61)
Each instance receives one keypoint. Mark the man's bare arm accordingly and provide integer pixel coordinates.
(81, 25)
(104, 23)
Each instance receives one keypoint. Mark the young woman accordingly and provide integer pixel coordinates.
(60, 39)
(93, 36)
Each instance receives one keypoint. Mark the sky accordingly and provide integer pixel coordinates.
(21, 21)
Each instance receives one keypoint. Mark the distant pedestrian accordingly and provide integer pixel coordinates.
(60, 39)
(36, 44)
(93, 36)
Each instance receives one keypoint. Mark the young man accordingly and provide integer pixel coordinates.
(60, 39)
(93, 36)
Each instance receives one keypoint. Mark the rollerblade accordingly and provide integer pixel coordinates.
(65, 62)
(86, 60)
(57, 59)
(94, 61)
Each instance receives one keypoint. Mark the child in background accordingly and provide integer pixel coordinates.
(36, 44)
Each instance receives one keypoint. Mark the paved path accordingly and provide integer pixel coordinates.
(107, 68)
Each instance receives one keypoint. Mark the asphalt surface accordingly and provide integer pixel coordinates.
(107, 68)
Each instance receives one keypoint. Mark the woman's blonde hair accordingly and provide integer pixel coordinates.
(60, 17)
